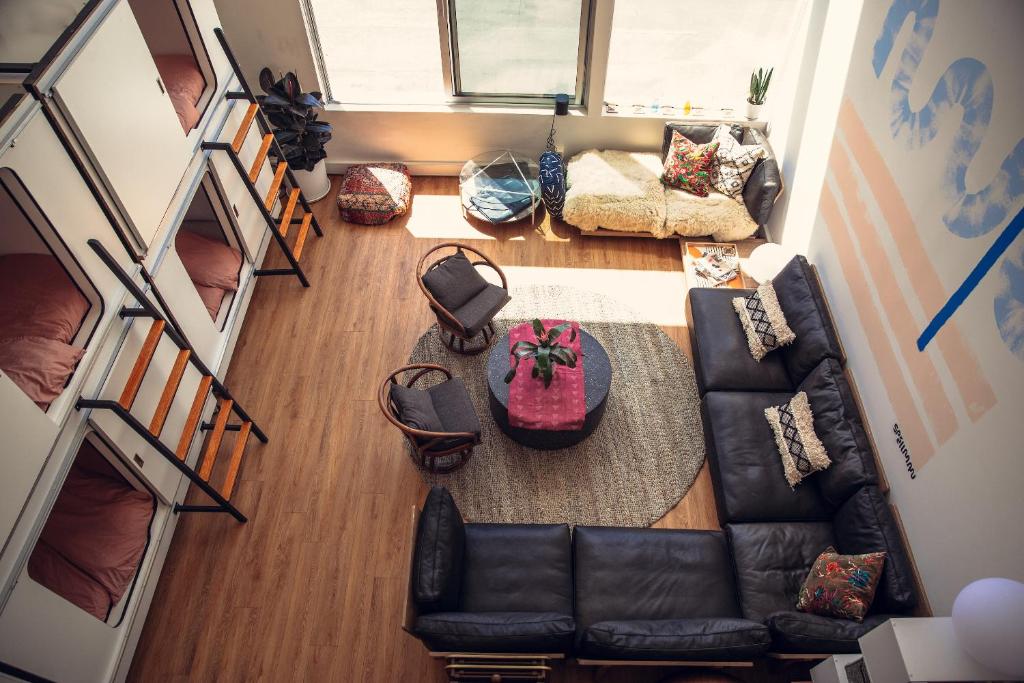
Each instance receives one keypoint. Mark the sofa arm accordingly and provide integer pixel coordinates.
(765, 182)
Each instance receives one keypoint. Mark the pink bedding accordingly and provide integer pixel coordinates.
(185, 84)
(41, 311)
(212, 266)
(99, 527)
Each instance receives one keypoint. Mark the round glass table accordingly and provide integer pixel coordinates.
(597, 382)
(500, 187)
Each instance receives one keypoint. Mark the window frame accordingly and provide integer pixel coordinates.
(448, 30)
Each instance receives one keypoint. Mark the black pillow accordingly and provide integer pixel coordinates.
(415, 409)
(454, 282)
(439, 553)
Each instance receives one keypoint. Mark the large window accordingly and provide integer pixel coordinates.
(437, 51)
(677, 51)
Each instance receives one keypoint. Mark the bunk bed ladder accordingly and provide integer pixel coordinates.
(283, 186)
(163, 324)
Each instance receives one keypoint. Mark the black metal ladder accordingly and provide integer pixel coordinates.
(164, 323)
(284, 186)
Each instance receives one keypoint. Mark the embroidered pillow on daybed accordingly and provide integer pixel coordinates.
(763, 321)
(841, 585)
(733, 163)
(688, 166)
(799, 447)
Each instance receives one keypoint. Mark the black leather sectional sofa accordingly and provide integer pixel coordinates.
(605, 593)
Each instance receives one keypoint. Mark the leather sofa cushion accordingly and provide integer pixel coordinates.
(772, 561)
(746, 469)
(803, 303)
(865, 524)
(837, 422)
(681, 639)
(517, 568)
(721, 356)
(438, 556)
(626, 574)
(496, 631)
(801, 632)
(700, 133)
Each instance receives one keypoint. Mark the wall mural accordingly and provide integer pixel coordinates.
(966, 84)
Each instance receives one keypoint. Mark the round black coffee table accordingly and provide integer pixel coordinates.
(597, 381)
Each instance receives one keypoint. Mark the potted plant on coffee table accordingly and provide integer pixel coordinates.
(759, 81)
(546, 353)
(293, 114)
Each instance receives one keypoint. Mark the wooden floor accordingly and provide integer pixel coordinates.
(311, 588)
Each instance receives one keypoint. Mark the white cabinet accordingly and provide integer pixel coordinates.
(113, 96)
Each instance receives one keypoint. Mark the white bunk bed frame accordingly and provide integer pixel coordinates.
(265, 201)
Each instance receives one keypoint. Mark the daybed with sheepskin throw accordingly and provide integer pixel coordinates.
(624, 192)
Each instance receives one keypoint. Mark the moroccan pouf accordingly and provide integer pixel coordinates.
(372, 194)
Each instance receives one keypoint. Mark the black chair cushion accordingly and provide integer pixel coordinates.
(802, 632)
(679, 639)
(772, 561)
(803, 304)
(651, 574)
(453, 406)
(481, 309)
(438, 555)
(517, 568)
(698, 133)
(837, 422)
(415, 408)
(746, 469)
(540, 632)
(454, 282)
(721, 356)
(865, 524)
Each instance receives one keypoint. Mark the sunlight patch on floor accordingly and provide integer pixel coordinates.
(433, 216)
(657, 297)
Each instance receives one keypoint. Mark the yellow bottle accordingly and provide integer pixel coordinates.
(686, 108)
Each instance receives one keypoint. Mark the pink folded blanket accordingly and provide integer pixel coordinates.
(560, 407)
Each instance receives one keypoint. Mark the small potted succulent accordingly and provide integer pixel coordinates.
(759, 81)
(292, 113)
(546, 353)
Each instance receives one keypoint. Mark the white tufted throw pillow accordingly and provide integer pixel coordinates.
(735, 162)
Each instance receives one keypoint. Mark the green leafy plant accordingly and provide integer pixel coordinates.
(546, 353)
(759, 81)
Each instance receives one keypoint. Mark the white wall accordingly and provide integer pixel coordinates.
(895, 235)
(437, 141)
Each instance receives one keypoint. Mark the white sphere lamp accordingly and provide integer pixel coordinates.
(767, 260)
(988, 619)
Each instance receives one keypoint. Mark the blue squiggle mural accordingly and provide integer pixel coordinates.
(1009, 303)
(966, 84)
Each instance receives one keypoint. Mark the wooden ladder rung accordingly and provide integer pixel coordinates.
(301, 238)
(156, 425)
(131, 387)
(275, 185)
(289, 211)
(261, 156)
(236, 459)
(243, 130)
(213, 445)
(193, 416)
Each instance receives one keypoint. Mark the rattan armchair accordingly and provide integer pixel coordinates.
(441, 450)
(464, 303)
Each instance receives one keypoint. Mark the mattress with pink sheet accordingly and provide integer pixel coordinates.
(211, 264)
(41, 311)
(185, 84)
(94, 539)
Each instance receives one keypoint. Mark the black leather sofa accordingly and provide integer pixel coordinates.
(606, 593)
(776, 532)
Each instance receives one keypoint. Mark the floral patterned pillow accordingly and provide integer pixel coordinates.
(689, 166)
(841, 585)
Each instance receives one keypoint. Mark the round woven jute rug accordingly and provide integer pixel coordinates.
(638, 463)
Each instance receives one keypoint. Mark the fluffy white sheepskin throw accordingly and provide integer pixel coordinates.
(718, 215)
(616, 191)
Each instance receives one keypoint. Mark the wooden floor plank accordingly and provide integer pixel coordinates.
(311, 587)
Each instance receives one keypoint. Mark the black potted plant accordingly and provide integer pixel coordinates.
(292, 114)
